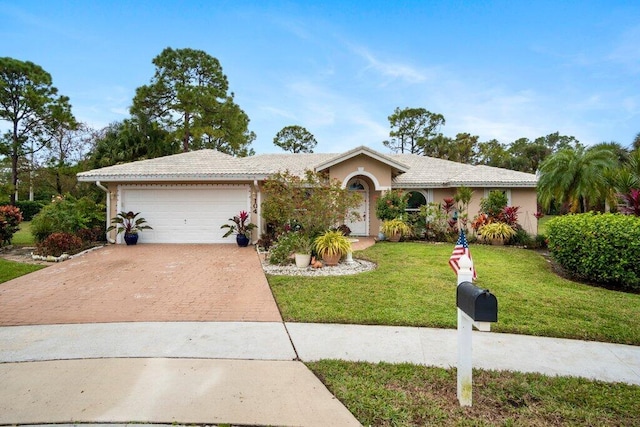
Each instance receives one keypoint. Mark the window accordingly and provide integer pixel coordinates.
(356, 185)
(503, 190)
(415, 200)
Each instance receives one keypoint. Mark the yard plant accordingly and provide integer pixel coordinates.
(413, 285)
(601, 248)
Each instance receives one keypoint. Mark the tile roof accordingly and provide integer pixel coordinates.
(211, 165)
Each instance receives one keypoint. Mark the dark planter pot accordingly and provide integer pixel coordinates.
(242, 240)
(131, 238)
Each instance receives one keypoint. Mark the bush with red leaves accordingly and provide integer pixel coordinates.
(10, 218)
(59, 243)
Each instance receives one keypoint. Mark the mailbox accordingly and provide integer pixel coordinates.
(479, 304)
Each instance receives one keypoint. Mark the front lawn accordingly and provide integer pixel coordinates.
(10, 269)
(414, 286)
(23, 236)
(409, 395)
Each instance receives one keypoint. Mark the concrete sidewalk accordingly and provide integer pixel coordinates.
(310, 342)
(188, 372)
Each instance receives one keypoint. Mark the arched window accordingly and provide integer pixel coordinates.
(356, 185)
(415, 200)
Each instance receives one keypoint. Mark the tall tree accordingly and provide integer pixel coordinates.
(296, 139)
(576, 176)
(32, 106)
(411, 129)
(188, 95)
(130, 140)
(526, 155)
(492, 153)
(69, 146)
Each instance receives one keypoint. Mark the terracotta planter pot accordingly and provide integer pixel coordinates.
(331, 260)
(497, 242)
(394, 237)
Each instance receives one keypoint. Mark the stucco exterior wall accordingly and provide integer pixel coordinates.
(525, 198)
(365, 166)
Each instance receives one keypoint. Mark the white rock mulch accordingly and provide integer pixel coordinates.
(342, 269)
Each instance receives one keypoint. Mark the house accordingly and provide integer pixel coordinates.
(187, 197)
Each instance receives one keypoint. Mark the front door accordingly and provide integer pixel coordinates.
(359, 227)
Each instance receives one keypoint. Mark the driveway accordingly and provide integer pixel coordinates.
(143, 283)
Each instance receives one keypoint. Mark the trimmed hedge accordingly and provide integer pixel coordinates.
(600, 248)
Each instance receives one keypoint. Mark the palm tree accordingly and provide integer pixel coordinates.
(576, 176)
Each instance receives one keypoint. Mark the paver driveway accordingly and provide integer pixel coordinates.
(143, 283)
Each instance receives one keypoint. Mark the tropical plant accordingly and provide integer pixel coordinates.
(463, 197)
(395, 227)
(497, 231)
(435, 220)
(129, 223)
(391, 205)
(577, 177)
(493, 204)
(240, 225)
(630, 203)
(332, 243)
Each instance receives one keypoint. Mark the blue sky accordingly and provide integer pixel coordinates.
(497, 69)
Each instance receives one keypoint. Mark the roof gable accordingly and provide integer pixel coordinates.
(395, 165)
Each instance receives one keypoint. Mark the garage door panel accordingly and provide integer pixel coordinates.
(185, 214)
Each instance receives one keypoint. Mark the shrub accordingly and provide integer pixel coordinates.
(67, 215)
(57, 244)
(29, 208)
(540, 242)
(10, 218)
(312, 203)
(522, 238)
(391, 205)
(600, 248)
(94, 234)
(280, 252)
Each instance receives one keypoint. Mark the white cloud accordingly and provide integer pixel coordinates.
(392, 70)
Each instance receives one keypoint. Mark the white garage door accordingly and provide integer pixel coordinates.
(185, 214)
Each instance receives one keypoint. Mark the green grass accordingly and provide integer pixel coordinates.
(414, 286)
(10, 269)
(409, 395)
(23, 236)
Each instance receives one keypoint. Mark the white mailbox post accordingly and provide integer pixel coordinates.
(476, 307)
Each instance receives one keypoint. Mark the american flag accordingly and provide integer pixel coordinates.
(461, 248)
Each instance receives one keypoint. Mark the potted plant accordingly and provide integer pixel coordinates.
(331, 246)
(302, 247)
(394, 229)
(497, 232)
(241, 228)
(130, 224)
